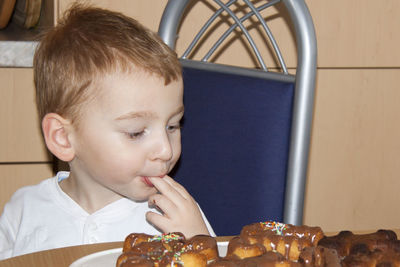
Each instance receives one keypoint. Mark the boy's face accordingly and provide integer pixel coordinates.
(128, 132)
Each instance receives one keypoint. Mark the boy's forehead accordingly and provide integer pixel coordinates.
(132, 74)
(126, 68)
(141, 89)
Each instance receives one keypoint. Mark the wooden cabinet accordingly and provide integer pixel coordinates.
(20, 137)
(357, 33)
(354, 166)
(23, 157)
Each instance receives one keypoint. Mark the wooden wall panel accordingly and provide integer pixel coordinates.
(20, 137)
(357, 33)
(15, 176)
(355, 164)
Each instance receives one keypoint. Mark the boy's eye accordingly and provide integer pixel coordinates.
(135, 135)
(172, 128)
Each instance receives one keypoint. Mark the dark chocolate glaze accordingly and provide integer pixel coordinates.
(289, 235)
(134, 239)
(200, 242)
(319, 257)
(268, 259)
(203, 244)
(346, 242)
(237, 243)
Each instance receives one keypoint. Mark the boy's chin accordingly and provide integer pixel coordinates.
(143, 197)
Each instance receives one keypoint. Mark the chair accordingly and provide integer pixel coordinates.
(246, 132)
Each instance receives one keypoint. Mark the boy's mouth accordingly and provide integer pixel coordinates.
(147, 180)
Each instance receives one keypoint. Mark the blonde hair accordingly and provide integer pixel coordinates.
(87, 43)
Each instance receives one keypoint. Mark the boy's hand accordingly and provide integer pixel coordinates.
(180, 210)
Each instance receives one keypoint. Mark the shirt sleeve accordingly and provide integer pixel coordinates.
(6, 237)
(209, 228)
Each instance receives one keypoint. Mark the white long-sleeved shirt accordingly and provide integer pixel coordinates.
(43, 217)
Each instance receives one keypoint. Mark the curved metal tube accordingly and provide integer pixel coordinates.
(246, 33)
(172, 16)
(269, 34)
(204, 28)
(302, 110)
(170, 19)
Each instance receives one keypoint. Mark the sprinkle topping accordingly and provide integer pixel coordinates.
(276, 227)
(165, 237)
(178, 254)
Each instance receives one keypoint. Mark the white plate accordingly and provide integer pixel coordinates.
(108, 258)
(105, 258)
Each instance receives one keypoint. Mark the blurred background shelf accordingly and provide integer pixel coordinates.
(18, 37)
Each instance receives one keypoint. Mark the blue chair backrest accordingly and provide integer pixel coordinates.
(235, 142)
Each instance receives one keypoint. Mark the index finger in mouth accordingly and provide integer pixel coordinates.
(146, 179)
(168, 185)
(164, 186)
(158, 181)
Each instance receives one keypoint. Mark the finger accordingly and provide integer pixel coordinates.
(158, 220)
(177, 186)
(164, 204)
(168, 187)
(164, 187)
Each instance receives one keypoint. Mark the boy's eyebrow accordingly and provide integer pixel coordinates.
(179, 110)
(134, 115)
(145, 114)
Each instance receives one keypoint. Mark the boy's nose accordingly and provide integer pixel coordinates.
(162, 149)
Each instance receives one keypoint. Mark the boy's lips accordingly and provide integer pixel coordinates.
(147, 180)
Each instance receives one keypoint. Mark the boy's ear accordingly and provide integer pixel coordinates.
(56, 135)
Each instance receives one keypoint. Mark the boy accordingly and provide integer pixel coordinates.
(109, 95)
